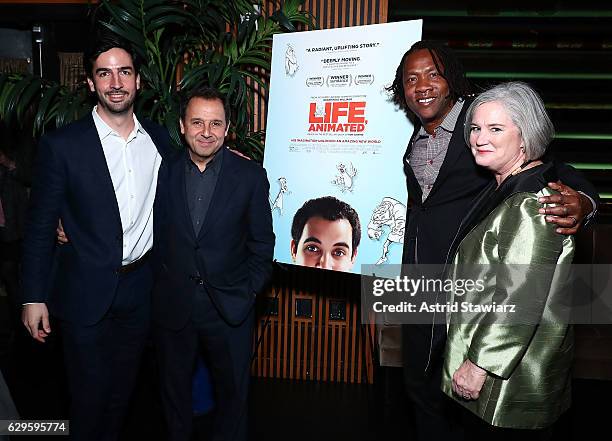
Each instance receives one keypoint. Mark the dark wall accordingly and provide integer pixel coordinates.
(64, 29)
(562, 48)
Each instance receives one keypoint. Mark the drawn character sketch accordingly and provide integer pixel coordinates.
(291, 64)
(386, 91)
(320, 110)
(345, 179)
(392, 213)
(278, 201)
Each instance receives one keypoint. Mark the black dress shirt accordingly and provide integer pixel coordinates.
(199, 187)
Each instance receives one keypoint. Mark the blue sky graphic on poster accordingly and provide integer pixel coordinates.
(333, 131)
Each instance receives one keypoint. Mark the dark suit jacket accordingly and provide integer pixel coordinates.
(230, 258)
(432, 224)
(72, 182)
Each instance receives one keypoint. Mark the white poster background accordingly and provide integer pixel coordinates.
(333, 131)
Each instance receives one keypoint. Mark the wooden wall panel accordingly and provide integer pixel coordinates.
(342, 13)
(14, 65)
(316, 347)
(72, 73)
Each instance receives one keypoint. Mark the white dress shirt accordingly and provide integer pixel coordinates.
(133, 166)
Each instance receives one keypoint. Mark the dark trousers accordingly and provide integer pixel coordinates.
(10, 255)
(227, 353)
(436, 415)
(102, 360)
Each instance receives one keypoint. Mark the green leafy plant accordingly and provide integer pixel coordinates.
(183, 44)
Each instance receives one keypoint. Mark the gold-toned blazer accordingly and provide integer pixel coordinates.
(528, 363)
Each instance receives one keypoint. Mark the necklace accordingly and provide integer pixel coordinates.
(521, 167)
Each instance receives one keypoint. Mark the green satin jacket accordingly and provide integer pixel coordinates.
(528, 364)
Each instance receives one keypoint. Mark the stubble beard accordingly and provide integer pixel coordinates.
(120, 108)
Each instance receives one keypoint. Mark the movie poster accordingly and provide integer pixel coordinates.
(334, 146)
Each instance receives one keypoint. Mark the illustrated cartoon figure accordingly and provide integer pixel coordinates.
(278, 201)
(345, 178)
(291, 64)
(392, 213)
(320, 110)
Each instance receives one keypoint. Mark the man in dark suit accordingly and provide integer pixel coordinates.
(443, 181)
(98, 175)
(213, 254)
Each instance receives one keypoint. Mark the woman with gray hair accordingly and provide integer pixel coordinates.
(508, 357)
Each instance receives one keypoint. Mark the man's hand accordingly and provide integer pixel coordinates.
(468, 380)
(31, 316)
(61, 235)
(570, 210)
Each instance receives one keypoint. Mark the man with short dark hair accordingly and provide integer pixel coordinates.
(325, 233)
(443, 180)
(213, 255)
(99, 175)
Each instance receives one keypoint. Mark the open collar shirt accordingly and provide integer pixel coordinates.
(133, 165)
(428, 151)
(199, 188)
